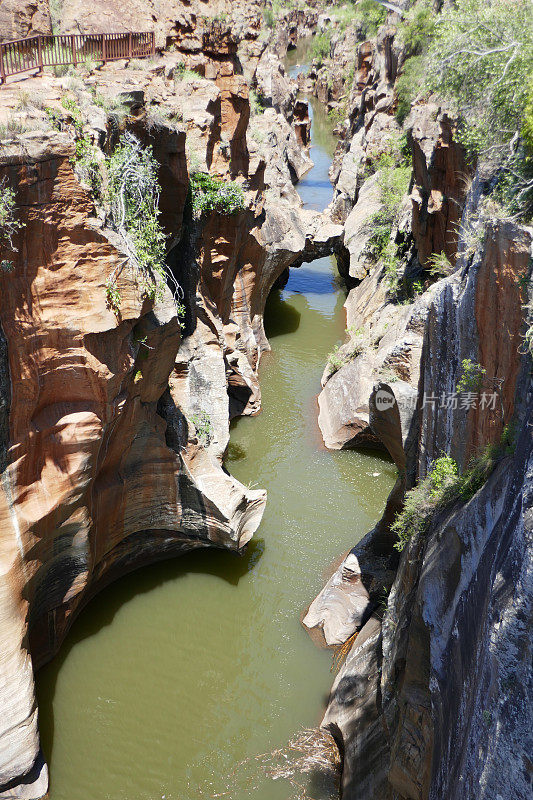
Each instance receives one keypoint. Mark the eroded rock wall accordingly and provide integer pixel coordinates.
(427, 703)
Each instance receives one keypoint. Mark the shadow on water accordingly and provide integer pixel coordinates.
(101, 611)
(280, 316)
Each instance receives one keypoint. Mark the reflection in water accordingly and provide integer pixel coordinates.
(179, 673)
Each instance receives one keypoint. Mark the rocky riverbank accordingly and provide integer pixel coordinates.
(131, 330)
(117, 389)
(428, 701)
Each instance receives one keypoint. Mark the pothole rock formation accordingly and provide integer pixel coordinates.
(104, 462)
(427, 703)
(95, 482)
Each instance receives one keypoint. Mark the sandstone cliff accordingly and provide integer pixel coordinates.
(434, 695)
(115, 409)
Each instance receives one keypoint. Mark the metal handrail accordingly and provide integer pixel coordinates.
(42, 50)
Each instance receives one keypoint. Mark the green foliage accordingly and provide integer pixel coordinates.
(88, 165)
(133, 196)
(7, 266)
(213, 194)
(393, 183)
(204, 427)
(372, 15)
(472, 376)
(257, 103)
(444, 470)
(527, 121)
(268, 16)
(417, 28)
(321, 47)
(408, 85)
(335, 359)
(481, 59)
(112, 294)
(9, 224)
(367, 13)
(70, 105)
(438, 265)
(338, 114)
(181, 73)
(444, 485)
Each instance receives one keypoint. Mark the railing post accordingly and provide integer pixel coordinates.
(2, 68)
(73, 49)
(130, 44)
(40, 53)
(104, 59)
(153, 43)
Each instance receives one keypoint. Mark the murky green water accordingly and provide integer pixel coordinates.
(177, 673)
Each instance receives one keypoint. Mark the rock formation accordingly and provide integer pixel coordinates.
(114, 419)
(432, 698)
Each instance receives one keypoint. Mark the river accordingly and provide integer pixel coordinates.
(178, 673)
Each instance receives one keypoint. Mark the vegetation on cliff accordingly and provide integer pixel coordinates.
(214, 194)
(444, 485)
(478, 56)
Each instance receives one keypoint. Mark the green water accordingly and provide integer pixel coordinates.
(177, 673)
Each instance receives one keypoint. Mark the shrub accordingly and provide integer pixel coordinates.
(87, 165)
(214, 194)
(527, 121)
(438, 265)
(204, 427)
(181, 73)
(372, 15)
(444, 485)
(257, 103)
(335, 359)
(417, 28)
(472, 376)
(133, 196)
(408, 85)
(9, 224)
(321, 47)
(268, 16)
(369, 14)
(481, 59)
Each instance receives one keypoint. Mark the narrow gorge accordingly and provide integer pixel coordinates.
(266, 305)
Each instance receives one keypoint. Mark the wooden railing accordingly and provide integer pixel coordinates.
(38, 52)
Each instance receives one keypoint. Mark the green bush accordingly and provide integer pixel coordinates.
(257, 103)
(369, 14)
(527, 122)
(408, 85)
(321, 47)
(393, 182)
(335, 359)
(9, 224)
(472, 376)
(87, 165)
(417, 28)
(444, 485)
(481, 59)
(438, 265)
(133, 197)
(268, 16)
(204, 426)
(214, 194)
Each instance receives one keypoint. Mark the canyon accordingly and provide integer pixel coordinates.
(134, 423)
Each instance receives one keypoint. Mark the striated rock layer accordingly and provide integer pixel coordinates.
(432, 697)
(96, 479)
(104, 465)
